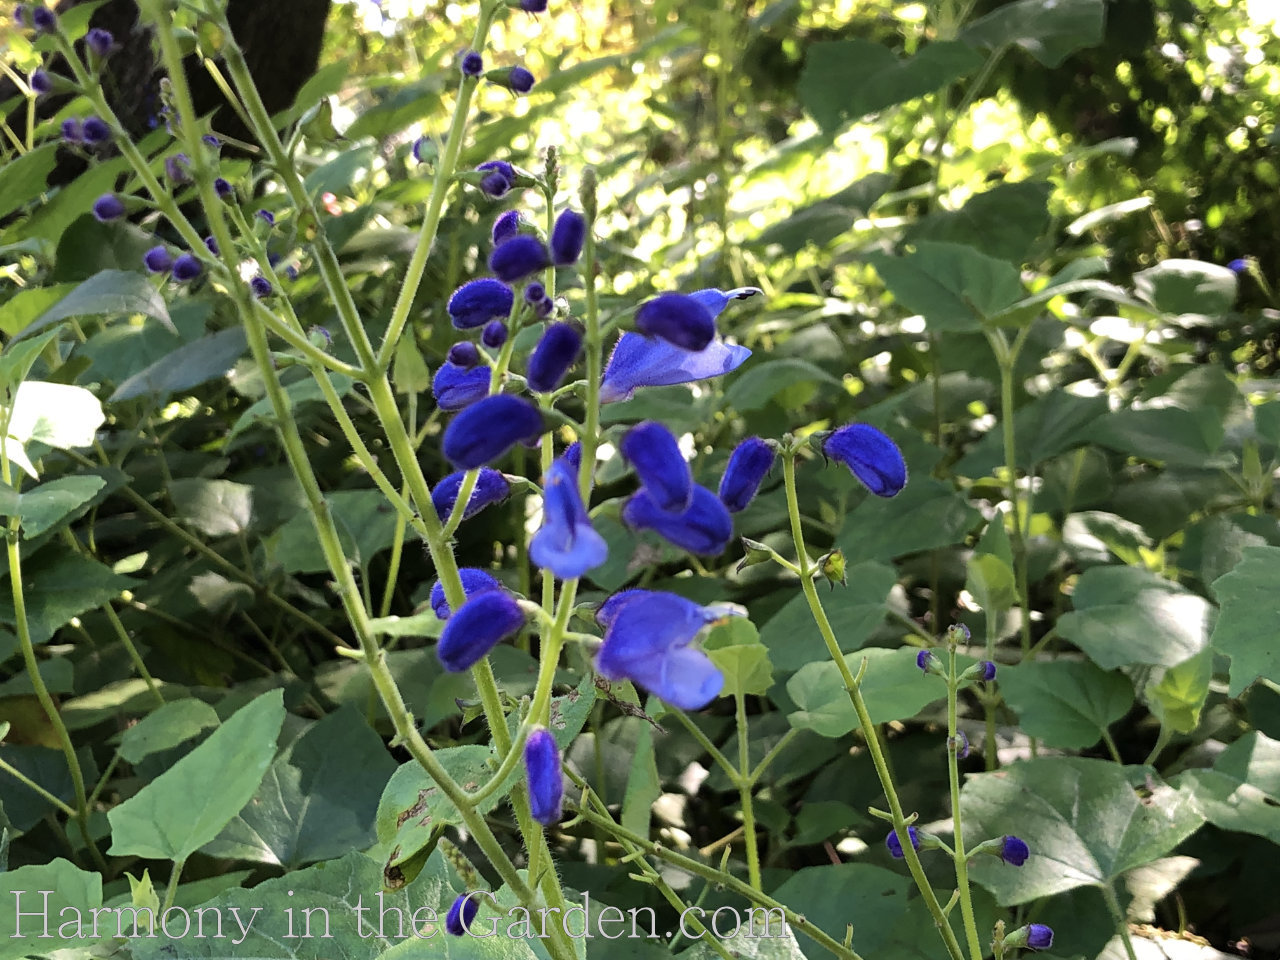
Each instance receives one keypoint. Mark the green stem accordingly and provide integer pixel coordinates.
(773, 754)
(960, 855)
(705, 742)
(1117, 914)
(744, 792)
(171, 890)
(23, 778)
(138, 665)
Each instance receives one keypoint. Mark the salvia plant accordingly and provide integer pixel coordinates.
(583, 534)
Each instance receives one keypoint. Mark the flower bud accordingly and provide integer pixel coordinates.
(1037, 936)
(1238, 265)
(544, 776)
(100, 42)
(534, 293)
(489, 428)
(476, 627)
(870, 456)
(678, 319)
(532, 6)
(267, 217)
(927, 662)
(461, 915)
(506, 226)
(750, 461)
(44, 19)
(498, 178)
(222, 188)
(553, 356)
(108, 207)
(211, 244)
(40, 82)
(157, 260)
(424, 149)
(567, 237)
(186, 268)
(704, 529)
(895, 845)
(833, 568)
(754, 552)
(515, 79)
(494, 334)
(178, 168)
(982, 670)
(516, 258)
(464, 355)
(474, 580)
(96, 131)
(455, 387)
(654, 454)
(260, 286)
(1014, 851)
(959, 744)
(491, 487)
(477, 302)
(472, 64)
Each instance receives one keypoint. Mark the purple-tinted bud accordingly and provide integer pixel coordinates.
(544, 776)
(502, 169)
(516, 258)
(494, 334)
(260, 286)
(44, 19)
(654, 454)
(22, 16)
(178, 168)
(222, 188)
(1239, 265)
(678, 319)
(186, 268)
(464, 355)
(486, 430)
(72, 131)
(267, 216)
(477, 302)
(542, 309)
(472, 64)
(157, 260)
(209, 140)
(108, 207)
(959, 744)
(291, 272)
(491, 487)
(988, 670)
(534, 293)
(211, 245)
(925, 659)
(506, 226)
(40, 82)
(567, 238)
(473, 580)
(476, 627)
(573, 455)
(461, 915)
(96, 130)
(870, 456)
(895, 845)
(553, 356)
(455, 387)
(520, 80)
(423, 149)
(1015, 851)
(533, 6)
(495, 185)
(99, 42)
(751, 460)
(1039, 936)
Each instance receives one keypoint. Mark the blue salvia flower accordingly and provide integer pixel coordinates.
(533, 6)
(72, 131)
(1014, 851)
(489, 428)
(705, 528)
(654, 454)
(494, 334)
(506, 226)
(475, 628)
(648, 637)
(472, 64)
(461, 915)
(211, 244)
(870, 456)
(553, 356)
(96, 131)
(477, 302)
(518, 79)
(186, 267)
(499, 177)
(260, 286)
(895, 845)
(474, 581)
(157, 260)
(927, 662)
(44, 19)
(566, 543)
(108, 207)
(544, 776)
(456, 387)
(1239, 265)
(748, 465)
(464, 354)
(1039, 936)
(100, 42)
(567, 237)
(534, 293)
(678, 319)
(491, 487)
(40, 82)
(222, 188)
(516, 258)
(987, 670)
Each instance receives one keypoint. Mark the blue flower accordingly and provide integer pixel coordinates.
(553, 356)
(211, 244)
(157, 260)
(678, 319)
(499, 178)
(986, 670)
(544, 776)
(654, 454)
(178, 168)
(260, 286)
(456, 387)
(1039, 936)
(494, 334)
(647, 641)
(474, 581)
(222, 188)
(705, 528)
(44, 19)
(520, 80)
(472, 64)
(567, 237)
(40, 82)
(1239, 265)
(1015, 851)
(895, 845)
(516, 258)
(489, 428)
(72, 131)
(475, 628)
(464, 354)
(108, 207)
(491, 487)
(100, 42)
(506, 226)
(638, 362)
(870, 455)
(267, 217)
(461, 915)
(750, 461)
(96, 130)
(534, 293)
(477, 302)
(566, 543)
(186, 267)
(924, 660)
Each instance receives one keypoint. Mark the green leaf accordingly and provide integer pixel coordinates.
(1181, 287)
(1045, 428)
(759, 936)
(844, 80)
(1168, 435)
(1003, 222)
(1067, 704)
(854, 611)
(49, 505)
(1250, 609)
(72, 893)
(166, 727)
(188, 366)
(113, 293)
(409, 373)
(317, 800)
(18, 358)
(56, 414)
(1242, 791)
(1084, 820)
(187, 805)
(871, 898)
(735, 648)
(990, 580)
(60, 586)
(755, 388)
(1125, 615)
(366, 525)
(953, 287)
(894, 688)
(24, 306)
(217, 508)
(926, 515)
(298, 393)
(1049, 30)
(1179, 696)
(644, 785)
(25, 178)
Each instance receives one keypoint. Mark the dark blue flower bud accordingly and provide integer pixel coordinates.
(21, 16)
(222, 188)
(499, 177)
(209, 140)
(474, 581)
(1238, 265)
(108, 207)
(567, 238)
(1039, 936)
(553, 356)
(987, 670)
(186, 267)
(491, 487)
(291, 272)
(489, 428)
(72, 131)
(44, 20)
(506, 226)
(178, 168)
(455, 387)
(476, 627)
(751, 460)
(1015, 851)
(924, 659)
(267, 216)
(520, 80)
(654, 454)
(40, 82)
(678, 319)
(516, 258)
(895, 845)
(705, 528)
(871, 456)
(494, 334)
(533, 6)
(211, 245)
(424, 149)
(260, 286)
(157, 260)
(472, 64)
(96, 131)
(464, 355)
(534, 293)
(544, 776)
(573, 455)
(100, 42)
(461, 915)
(477, 302)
